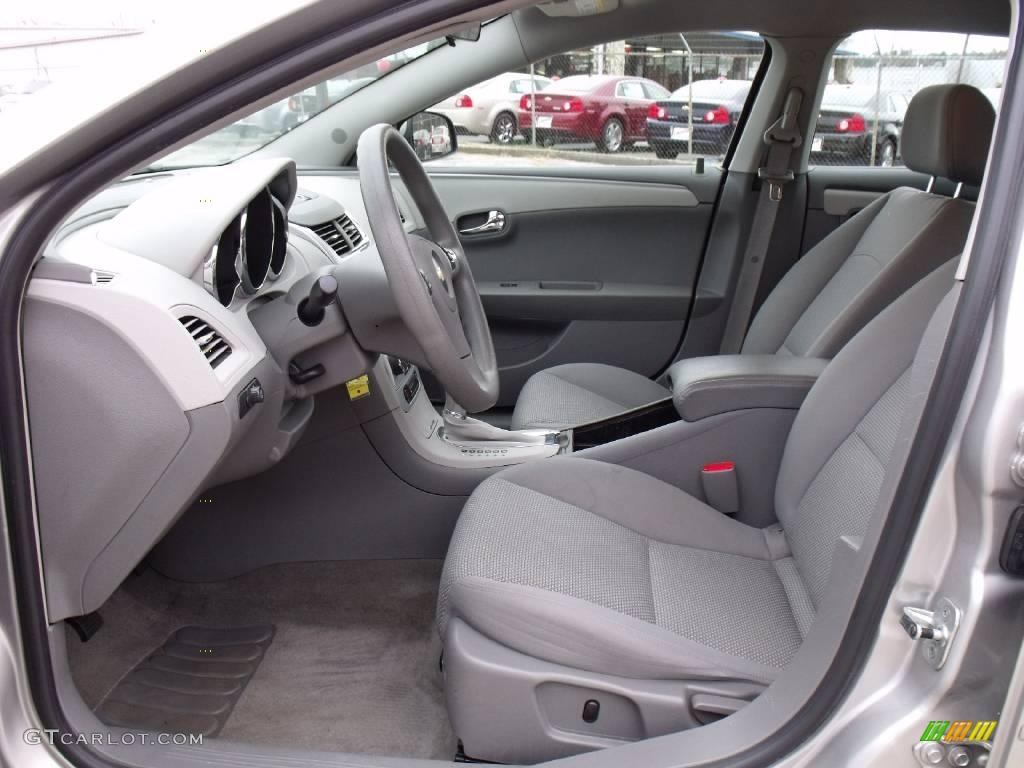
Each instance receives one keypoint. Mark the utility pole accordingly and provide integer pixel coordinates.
(878, 102)
(689, 90)
(963, 55)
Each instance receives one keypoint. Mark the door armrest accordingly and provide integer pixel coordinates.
(708, 386)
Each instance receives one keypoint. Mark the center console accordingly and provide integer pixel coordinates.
(726, 410)
(451, 438)
(455, 439)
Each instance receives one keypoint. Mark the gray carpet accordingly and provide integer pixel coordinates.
(352, 667)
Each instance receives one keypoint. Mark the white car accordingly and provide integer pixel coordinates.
(490, 108)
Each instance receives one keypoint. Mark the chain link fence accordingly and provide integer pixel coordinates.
(670, 120)
(681, 99)
(864, 105)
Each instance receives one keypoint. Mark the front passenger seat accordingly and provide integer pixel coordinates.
(584, 604)
(836, 287)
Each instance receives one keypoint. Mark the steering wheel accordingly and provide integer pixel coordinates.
(429, 276)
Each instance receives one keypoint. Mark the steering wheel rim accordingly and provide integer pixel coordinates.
(429, 277)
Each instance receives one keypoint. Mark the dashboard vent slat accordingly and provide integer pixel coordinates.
(342, 235)
(213, 346)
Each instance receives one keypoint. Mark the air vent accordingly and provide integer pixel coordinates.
(210, 343)
(100, 277)
(341, 234)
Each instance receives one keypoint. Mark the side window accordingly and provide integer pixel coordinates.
(655, 91)
(630, 89)
(873, 77)
(628, 99)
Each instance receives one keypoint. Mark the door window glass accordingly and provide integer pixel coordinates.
(625, 102)
(631, 90)
(874, 75)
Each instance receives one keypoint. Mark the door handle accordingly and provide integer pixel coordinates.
(495, 223)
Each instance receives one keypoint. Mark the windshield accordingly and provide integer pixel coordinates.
(262, 127)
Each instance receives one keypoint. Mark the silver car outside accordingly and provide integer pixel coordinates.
(493, 99)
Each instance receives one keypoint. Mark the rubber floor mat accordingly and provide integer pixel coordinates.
(190, 684)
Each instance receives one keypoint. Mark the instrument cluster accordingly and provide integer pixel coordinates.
(250, 251)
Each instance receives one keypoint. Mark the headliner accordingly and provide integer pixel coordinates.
(774, 18)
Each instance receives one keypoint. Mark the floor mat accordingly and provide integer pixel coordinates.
(352, 668)
(191, 683)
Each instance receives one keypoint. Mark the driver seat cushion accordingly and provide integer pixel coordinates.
(600, 568)
(575, 393)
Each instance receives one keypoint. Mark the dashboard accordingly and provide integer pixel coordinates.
(165, 353)
(250, 251)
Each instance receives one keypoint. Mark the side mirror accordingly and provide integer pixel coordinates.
(431, 135)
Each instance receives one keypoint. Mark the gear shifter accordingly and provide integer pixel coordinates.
(460, 428)
(321, 294)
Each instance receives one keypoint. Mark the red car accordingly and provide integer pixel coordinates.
(609, 110)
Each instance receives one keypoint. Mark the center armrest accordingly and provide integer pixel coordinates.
(707, 386)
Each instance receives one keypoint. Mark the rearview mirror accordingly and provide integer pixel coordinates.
(470, 32)
(431, 135)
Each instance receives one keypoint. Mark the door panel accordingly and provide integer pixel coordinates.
(583, 269)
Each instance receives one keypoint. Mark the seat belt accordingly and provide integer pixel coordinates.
(782, 138)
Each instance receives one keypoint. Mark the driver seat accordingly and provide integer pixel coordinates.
(583, 604)
(837, 286)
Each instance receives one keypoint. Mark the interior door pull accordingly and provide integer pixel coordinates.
(495, 223)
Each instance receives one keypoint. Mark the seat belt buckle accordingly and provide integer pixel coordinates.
(721, 489)
(776, 181)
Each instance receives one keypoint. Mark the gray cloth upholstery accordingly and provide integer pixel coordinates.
(856, 271)
(605, 569)
(567, 395)
(946, 132)
(601, 567)
(838, 286)
(837, 452)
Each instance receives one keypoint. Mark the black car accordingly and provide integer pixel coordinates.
(717, 105)
(849, 118)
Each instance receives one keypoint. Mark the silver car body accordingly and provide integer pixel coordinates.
(490, 99)
(877, 718)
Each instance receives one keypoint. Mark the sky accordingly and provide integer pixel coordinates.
(923, 42)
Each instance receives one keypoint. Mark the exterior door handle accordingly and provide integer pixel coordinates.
(495, 223)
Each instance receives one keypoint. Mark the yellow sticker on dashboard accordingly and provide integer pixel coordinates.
(358, 387)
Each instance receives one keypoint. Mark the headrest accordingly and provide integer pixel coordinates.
(947, 131)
